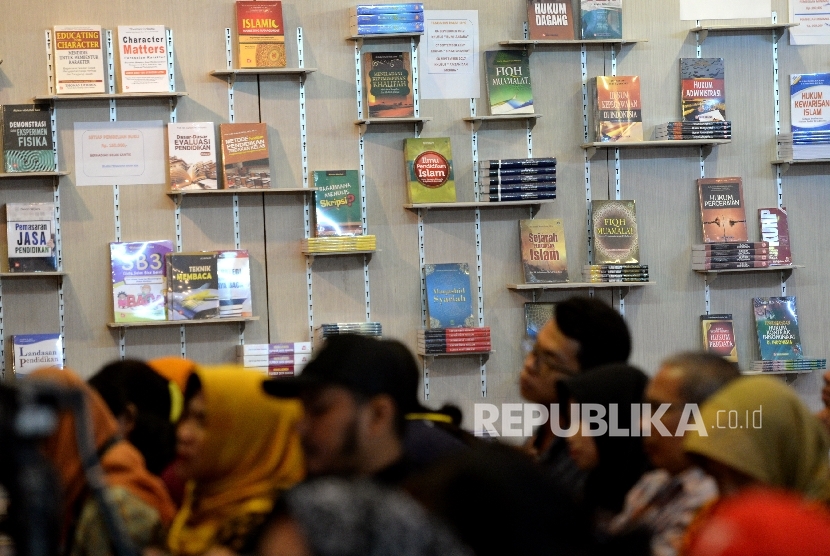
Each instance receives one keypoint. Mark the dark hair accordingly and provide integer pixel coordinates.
(133, 382)
(703, 374)
(601, 332)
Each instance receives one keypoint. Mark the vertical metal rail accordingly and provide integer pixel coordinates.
(779, 176)
(707, 297)
(583, 56)
(306, 198)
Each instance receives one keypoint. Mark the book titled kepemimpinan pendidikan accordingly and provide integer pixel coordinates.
(449, 298)
(776, 322)
(27, 138)
(543, 250)
(702, 91)
(618, 114)
(722, 209)
(79, 59)
(139, 280)
(36, 351)
(614, 232)
(142, 56)
(30, 233)
(719, 336)
(508, 82)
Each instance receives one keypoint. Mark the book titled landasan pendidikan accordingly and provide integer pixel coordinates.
(36, 351)
(508, 82)
(543, 250)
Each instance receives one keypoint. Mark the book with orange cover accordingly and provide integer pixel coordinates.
(260, 34)
(617, 108)
(245, 156)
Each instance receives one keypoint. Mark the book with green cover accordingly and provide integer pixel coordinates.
(508, 82)
(337, 203)
(537, 314)
(430, 177)
(543, 250)
(614, 232)
(776, 322)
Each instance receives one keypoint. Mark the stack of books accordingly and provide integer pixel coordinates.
(615, 273)
(336, 244)
(454, 340)
(730, 255)
(804, 145)
(789, 365)
(517, 179)
(282, 359)
(680, 131)
(332, 329)
(383, 19)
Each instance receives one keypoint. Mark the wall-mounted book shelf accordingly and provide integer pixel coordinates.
(302, 72)
(777, 28)
(786, 270)
(53, 274)
(335, 253)
(364, 123)
(531, 44)
(785, 164)
(485, 354)
(386, 36)
(478, 120)
(266, 191)
(533, 203)
(706, 144)
(152, 323)
(32, 175)
(172, 95)
(624, 286)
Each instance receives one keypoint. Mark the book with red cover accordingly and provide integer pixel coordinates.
(776, 232)
(260, 34)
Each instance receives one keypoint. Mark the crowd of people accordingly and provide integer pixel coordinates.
(344, 460)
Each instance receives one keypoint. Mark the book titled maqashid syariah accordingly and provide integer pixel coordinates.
(30, 234)
(550, 20)
(614, 232)
(543, 250)
(142, 56)
(449, 296)
(507, 73)
(139, 280)
(618, 114)
(192, 155)
(430, 177)
(388, 84)
(27, 138)
(245, 156)
(722, 209)
(79, 59)
(702, 92)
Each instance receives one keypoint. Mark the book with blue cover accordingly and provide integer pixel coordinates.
(139, 280)
(601, 19)
(776, 322)
(449, 299)
(537, 314)
(810, 102)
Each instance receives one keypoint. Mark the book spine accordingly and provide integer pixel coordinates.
(725, 246)
(454, 349)
(386, 28)
(729, 266)
(528, 196)
(518, 162)
(729, 252)
(530, 170)
(609, 280)
(521, 178)
(372, 9)
(376, 19)
(519, 188)
(274, 349)
(728, 258)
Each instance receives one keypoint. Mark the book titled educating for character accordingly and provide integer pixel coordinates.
(430, 177)
(543, 250)
(388, 86)
(508, 82)
(776, 322)
(449, 300)
(722, 209)
(614, 232)
(36, 351)
(719, 336)
(27, 138)
(30, 229)
(79, 59)
(142, 56)
(139, 280)
(337, 203)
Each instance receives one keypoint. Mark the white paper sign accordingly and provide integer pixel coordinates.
(813, 17)
(449, 53)
(720, 9)
(122, 153)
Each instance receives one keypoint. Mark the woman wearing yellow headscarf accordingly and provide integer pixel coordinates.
(240, 449)
(758, 432)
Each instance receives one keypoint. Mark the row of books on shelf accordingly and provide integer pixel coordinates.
(384, 19)
(275, 360)
(150, 282)
(464, 339)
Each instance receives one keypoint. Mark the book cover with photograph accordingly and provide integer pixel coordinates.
(338, 210)
(429, 172)
(507, 73)
(30, 234)
(142, 57)
(27, 138)
(776, 322)
(722, 209)
(618, 114)
(79, 59)
(550, 20)
(193, 285)
(614, 232)
(776, 232)
(719, 336)
(537, 314)
(260, 34)
(449, 297)
(245, 156)
(702, 93)
(601, 19)
(139, 280)
(36, 351)
(388, 85)
(192, 155)
(543, 250)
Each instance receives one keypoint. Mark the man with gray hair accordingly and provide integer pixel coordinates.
(664, 501)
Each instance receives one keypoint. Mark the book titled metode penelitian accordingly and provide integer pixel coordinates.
(543, 250)
(389, 92)
(27, 138)
(139, 280)
(614, 232)
(776, 322)
(260, 34)
(550, 20)
(430, 177)
(722, 209)
(337, 202)
(618, 114)
(508, 82)
(30, 229)
(36, 351)
(702, 94)
(449, 300)
(79, 59)
(142, 53)
(719, 336)
(245, 156)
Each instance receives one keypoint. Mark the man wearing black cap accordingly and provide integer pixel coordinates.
(356, 392)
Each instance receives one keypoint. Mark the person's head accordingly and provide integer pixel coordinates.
(335, 517)
(758, 432)
(141, 401)
(583, 333)
(685, 378)
(614, 462)
(355, 391)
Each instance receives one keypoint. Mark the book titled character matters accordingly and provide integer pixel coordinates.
(618, 112)
(142, 53)
(260, 34)
(337, 203)
(722, 209)
(719, 336)
(449, 300)
(389, 91)
(776, 322)
(139, 280)
(245, 156)
(543, 250)
(550, 20)
(508, 82)
(614, 232)
(702, 94)
(430, 177)
(79, 59)
(27, 138)
(30, 231)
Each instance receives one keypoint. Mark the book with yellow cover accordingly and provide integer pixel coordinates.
(543, 250)
(430, 177)
(260, 34)
(79, 59)
(617, 108)
(245, 156)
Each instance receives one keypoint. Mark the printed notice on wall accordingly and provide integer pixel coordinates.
(813, 18)
(123, 153)
(449, 53)
(718, 9)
